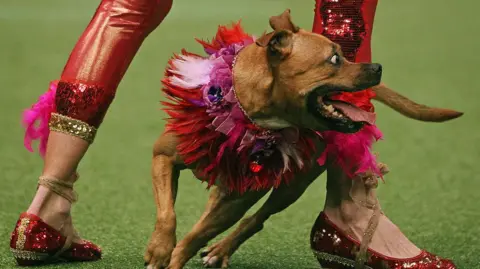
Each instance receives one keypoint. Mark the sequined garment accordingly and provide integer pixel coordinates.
(348, 23)
(35, 242)
(112, 38)
(84, 102)
(71, 126)
(334, 249)
(94, 69)
(102, 55)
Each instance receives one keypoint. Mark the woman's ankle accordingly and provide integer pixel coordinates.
(50, 207)
(348, 212)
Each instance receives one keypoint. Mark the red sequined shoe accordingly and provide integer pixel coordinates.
(335, 250)
(33, 242)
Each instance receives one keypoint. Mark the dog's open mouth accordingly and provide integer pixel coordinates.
(338, 115)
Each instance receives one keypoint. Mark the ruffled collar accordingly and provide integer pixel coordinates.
(215, 133)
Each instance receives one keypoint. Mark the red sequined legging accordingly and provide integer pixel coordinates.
(99, 61)
(350, 24)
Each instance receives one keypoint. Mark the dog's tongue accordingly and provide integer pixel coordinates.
(354, 113)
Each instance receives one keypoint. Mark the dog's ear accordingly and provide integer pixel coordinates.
(283, 22)
(264, 39)
(279, 44)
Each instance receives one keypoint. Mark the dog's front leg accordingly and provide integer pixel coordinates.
(165, 172)
(223, 210)
(285, 195)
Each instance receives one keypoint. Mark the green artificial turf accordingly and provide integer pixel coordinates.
(429, 53)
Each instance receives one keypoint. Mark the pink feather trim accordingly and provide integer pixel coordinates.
(35, 120)
(352, 152)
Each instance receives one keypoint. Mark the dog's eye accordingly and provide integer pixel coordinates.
(335, 59)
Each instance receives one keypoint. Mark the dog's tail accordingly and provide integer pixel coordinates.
(410, 109)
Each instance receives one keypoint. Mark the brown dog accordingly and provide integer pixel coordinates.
(283, 80)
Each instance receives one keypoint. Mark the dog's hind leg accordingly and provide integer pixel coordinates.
(218, 255)
(223, 211)
(166, 167)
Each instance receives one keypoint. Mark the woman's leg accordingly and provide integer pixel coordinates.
(351, 203)
(350, 24)
(352, 230)
(84, 92)
(90, 79)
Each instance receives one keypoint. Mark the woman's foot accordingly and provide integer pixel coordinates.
(52, 204)
(335, 249)
(352, 231)
(387, 238)
(45, 233)
(52, 208)
(33, 242)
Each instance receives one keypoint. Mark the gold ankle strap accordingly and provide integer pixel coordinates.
(60, 187)
(361, 256)
(371, 182)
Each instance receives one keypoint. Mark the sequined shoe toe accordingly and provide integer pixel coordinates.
(33, 242)
(336, 250)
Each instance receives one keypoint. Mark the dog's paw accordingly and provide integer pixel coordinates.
(159, 250)
(218, 255)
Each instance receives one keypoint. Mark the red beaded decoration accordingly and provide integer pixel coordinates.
(255, 167)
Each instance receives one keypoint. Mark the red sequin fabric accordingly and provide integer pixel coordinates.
(84, 102)
(334, 249)
(349, 23)
(343, 24)
(35, 242)
(102, 55)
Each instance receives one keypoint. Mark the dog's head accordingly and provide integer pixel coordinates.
(287, 77)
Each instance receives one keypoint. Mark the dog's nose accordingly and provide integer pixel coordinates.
(377, 68)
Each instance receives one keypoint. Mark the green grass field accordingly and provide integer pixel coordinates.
(427, 48)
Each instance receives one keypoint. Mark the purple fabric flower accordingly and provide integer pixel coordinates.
(229, 119)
